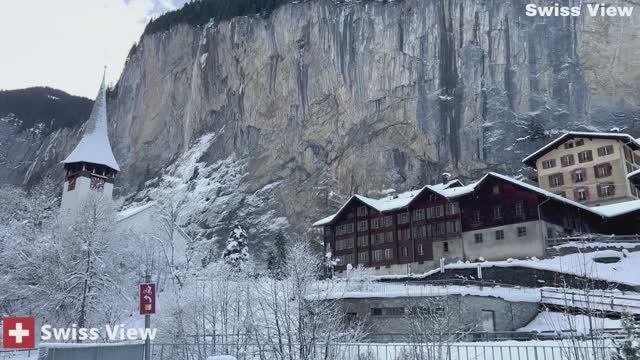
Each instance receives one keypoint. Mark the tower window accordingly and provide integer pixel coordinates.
(71, 185)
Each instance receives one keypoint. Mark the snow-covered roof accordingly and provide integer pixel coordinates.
(617, 209)
(134, 210)
(542, 192)
(404, 199)
(94, 147)
(530, 160)
(633, 174)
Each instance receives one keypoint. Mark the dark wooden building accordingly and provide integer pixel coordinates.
(494, 218)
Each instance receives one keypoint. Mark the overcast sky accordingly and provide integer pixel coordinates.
(65, 44)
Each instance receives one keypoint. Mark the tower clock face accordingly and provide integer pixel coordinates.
(97, 184)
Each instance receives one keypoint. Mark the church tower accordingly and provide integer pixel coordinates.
(91, 166)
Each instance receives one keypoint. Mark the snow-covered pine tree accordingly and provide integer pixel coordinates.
(629, 349)
(277, 256)
(236, 253)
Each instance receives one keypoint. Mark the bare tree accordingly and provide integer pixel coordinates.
(435, 323)
(176, 258)
(577, 297)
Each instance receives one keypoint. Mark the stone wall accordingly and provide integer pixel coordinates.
(463, 313)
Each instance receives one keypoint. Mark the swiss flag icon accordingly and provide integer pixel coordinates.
(18, 333)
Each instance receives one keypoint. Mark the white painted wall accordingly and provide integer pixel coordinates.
(511, 246)
(72, 199)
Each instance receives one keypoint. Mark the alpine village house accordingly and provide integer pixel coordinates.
(587, 183)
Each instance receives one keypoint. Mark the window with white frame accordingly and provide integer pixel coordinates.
(362, 211)
(453, 226)
(418, 214)
(388, 221)
(430, 212)
(343, 244)
(452, 208)
(363, 225)
(363, 240)
(363, 257)
(403, 218)
(476, 216)
(582, 194)
(388, 254)
(375, 223)
(497, 212)
(522, 231)
(605, 150)
(499, 234)
(548, 164)
(439, 212)
(388, 236)
(420, 249)
(378, 255)
(519, 209)
(378, 238)
(477, 238)
(606, 190)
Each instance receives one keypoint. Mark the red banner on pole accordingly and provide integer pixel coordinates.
(147, 299)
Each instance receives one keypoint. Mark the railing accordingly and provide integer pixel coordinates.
(18, 354)
(481, 336)
(593, 300)
(600, 349)
(593, 239)
(405, 351)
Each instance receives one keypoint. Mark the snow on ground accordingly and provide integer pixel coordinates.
(560, 322)
(340, 290)
(581, 264)
(214, 192)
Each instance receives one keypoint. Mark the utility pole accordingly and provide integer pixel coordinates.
(147, 323)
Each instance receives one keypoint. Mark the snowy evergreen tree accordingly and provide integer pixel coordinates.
(236, 253)
(277, 256)
(630, 347)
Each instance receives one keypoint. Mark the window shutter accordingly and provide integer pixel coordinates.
(595, 171)
(575, 195)
(613, 189)
(586, 194)
(584, 174)
(561, 179)
(600, 192)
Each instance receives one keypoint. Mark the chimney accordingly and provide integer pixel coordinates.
(445, 177)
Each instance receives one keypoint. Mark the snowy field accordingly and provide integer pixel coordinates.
(582, 264)
(549, 321)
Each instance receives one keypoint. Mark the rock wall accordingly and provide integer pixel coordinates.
(325, 98)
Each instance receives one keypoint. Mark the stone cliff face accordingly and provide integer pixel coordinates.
(325, 98)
